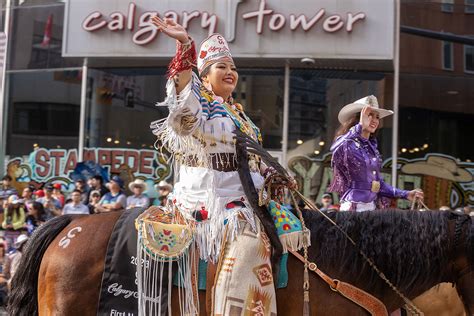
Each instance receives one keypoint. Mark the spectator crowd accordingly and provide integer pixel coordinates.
(22, 213)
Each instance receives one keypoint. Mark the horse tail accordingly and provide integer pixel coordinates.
(23, 299)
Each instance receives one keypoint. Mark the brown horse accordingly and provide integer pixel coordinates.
(61, 274)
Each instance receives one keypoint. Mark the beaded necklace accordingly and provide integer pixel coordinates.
(236, 113)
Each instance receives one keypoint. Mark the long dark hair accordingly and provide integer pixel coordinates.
(14, 208)
(407, 246)
(40, 208)
(346, 126)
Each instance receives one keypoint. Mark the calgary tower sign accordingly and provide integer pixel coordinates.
(123, 28)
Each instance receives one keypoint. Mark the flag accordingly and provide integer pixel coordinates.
(3, 54)
(47, 31)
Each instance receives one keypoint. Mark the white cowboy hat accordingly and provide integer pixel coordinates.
(440, 167)
(13, 199)
(20, 241)
(163, 184)
(137, 183)
(352, 108)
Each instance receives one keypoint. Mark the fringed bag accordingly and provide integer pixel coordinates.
(165, 238)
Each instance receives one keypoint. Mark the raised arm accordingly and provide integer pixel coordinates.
(180, 68)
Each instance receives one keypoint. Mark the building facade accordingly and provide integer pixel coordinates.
(83, 77)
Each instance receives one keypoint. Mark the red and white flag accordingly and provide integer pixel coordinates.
(47, 31)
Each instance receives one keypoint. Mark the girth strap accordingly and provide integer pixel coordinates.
(365, 300)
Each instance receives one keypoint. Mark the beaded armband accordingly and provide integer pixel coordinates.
(184, 59)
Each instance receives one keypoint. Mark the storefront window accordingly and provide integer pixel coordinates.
(36, 36)
(121, 106)
(315, 100)
(43, 111)
(261, 94)
(435, 116)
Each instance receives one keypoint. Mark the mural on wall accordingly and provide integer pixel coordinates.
(445, 181)
(44, 166)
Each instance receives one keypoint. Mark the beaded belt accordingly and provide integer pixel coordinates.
(225, 162)
(373, 186)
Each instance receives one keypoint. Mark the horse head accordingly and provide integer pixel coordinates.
(414, 250)
(462, 262)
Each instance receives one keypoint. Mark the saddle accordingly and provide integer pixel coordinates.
(168, 236)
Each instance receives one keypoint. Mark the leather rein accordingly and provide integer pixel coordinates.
(365, 300)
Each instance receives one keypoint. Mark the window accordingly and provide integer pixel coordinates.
(469, 58)
(447, 5)
(42, 118)
(469, 6)
(260, 91)
(43, 111)
(448, 56)
(37, 35)
(316, 96)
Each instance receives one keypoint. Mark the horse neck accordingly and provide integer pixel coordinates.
(446, 273)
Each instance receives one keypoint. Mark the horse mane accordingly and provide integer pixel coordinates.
(408, 247)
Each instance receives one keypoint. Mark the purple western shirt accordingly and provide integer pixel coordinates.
(356, 162)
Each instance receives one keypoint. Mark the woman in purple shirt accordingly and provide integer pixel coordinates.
(356, 161)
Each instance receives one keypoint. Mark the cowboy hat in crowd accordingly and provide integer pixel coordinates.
(138, 183)
(164, 185)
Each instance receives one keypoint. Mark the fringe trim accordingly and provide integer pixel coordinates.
(292, 241)
(209, 234)
(181, 132)
(150, 284)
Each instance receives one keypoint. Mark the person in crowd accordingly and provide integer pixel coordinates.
(12, 259)
(36, 216)
(94, 202)
(75, 206)
(164, 189)
(27, 197)
(58, 194)
(13, 220)
(356, 160)
(81, 186)
(52, 207)
(97, 183)
(326, 202)
(38, 194)
(89, 184)
(459, 210)
(138, 199)
(467, 210)
(6, 190)
(115, 200)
